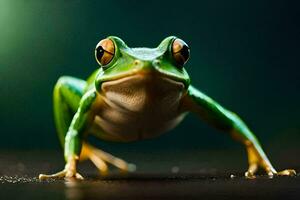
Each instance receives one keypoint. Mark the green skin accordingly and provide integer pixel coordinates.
(78, 102)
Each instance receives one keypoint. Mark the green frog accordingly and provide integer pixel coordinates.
(136, 94)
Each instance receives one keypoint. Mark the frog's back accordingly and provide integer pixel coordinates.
(138, 107)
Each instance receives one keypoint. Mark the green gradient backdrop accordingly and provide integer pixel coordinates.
(245, 55)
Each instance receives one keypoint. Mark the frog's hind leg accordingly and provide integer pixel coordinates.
(101, 158)
(66, 97)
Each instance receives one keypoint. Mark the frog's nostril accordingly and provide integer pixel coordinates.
(156, 63)
(137, 62)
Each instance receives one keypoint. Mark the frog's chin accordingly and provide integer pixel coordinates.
(142, 91)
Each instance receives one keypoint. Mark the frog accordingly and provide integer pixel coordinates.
(136, 94)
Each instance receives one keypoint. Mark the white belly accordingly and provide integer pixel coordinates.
(138, 107)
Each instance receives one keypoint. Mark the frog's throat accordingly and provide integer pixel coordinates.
(139, 106)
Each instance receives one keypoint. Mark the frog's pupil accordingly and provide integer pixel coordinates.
(100, 52)
(185, 52)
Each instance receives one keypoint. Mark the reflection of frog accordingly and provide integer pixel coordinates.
(138, 93)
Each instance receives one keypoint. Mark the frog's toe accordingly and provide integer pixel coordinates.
(287, 172)
(99, 163)
(57, 175)
(101, 158)
(75, 176)
(250, 175)
(131, 167)
(79, 177)
(122, 165)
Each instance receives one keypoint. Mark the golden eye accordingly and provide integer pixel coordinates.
(105, 51)
(180, 51)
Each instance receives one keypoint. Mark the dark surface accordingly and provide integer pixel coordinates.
(159, 187)
(210, 178)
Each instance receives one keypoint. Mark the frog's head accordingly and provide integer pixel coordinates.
(120, 62)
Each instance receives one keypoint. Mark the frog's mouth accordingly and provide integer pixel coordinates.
(143, 80)
(146, 75)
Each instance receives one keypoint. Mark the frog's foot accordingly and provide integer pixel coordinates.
(271, 173)
(62, 174)
(101, 158)
(251, 171)
(68, 173)
(256, 160)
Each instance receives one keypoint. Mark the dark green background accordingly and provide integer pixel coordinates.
(243, 54)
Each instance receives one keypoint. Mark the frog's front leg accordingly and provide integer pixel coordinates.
(67, 96)
(74, 137)
(219, 117)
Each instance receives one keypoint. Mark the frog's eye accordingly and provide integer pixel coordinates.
(105, 51)
(180, 51)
